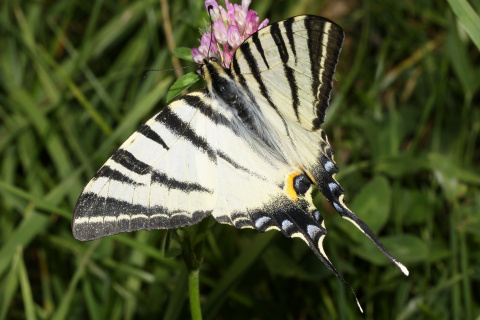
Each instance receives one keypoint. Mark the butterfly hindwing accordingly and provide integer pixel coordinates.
(259, 190)
(250, 174)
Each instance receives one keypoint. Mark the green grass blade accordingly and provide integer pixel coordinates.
(178, 297)
(31, 226)
(63, 309)
(27, 295)
(239, 266)
(468, 17)
(9, 285)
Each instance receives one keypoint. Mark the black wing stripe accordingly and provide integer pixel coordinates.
(113, 174)
(129, 161)
(276, 34)
(171, 183)
(289, 72)
(259, 47)
(314, 43)
(252, 64)
(152, 135)
(326, 46)
(182, 129)
(205, 107)
(238, 72)
(236, 165)
(289, 32)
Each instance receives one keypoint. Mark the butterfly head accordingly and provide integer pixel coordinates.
(214, 73)
(210, 66)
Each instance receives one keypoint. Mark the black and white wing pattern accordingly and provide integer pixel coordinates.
(289, 67)
(247, 149)
(164, 176)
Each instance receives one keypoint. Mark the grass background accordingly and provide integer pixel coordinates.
(404, 122)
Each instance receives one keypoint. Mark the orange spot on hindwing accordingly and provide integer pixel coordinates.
(297, 184)
(289, 185)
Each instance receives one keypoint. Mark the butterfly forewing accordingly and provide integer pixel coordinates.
(163, 176)
(290, 66)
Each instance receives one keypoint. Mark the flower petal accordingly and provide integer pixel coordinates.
(197, 55)
(235, 39)
(227, 58)
(240, 17)
(220, 32)
(230, 13)
(206, 39)
(224, 14)
(251, 24)
(246, 4)
(263, 24)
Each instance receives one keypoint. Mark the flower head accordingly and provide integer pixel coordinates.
(207, 48)
(231, 26)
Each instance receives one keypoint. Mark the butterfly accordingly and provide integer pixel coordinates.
(247, 149)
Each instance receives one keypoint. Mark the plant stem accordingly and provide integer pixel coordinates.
(193, 286)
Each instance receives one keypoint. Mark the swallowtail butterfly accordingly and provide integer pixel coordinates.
(247, 149)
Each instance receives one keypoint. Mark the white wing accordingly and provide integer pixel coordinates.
(164, 176)
(248, 149)
(287, 70)
(289, 66)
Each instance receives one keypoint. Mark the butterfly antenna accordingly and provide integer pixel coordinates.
(144, 73)
(210, 7)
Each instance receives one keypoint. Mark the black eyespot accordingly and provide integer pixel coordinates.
(301, 184)
(214, 59)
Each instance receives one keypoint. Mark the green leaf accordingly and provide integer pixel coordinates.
(413, 207)
(280, 263)
(438, 250)
(182, 84)
(401, 164)
(444, 170)
(406, 248)
(183, 53)
(177, 298)
(66, 300)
